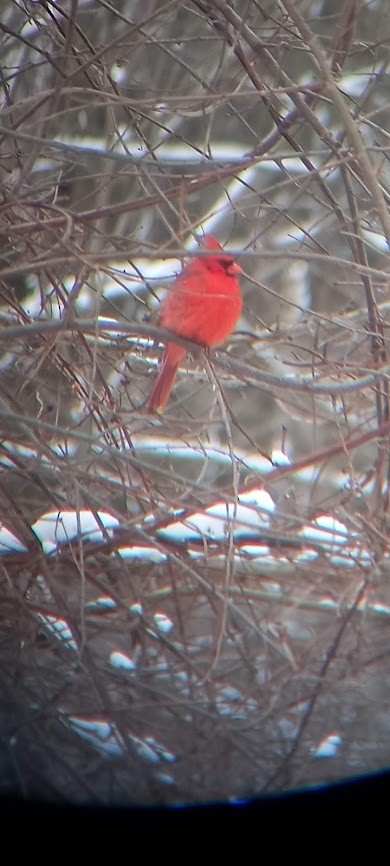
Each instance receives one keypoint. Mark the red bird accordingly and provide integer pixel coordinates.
(203, 305)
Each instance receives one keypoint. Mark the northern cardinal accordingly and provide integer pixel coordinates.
(203, 305)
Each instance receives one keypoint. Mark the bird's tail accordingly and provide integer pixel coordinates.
(164, 383)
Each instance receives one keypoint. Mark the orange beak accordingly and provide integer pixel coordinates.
(234, 270)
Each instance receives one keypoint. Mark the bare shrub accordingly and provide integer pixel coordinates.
(193, 606)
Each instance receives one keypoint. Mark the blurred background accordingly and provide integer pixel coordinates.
(192, 604)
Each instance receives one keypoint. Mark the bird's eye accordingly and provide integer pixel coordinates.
(226, 264)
